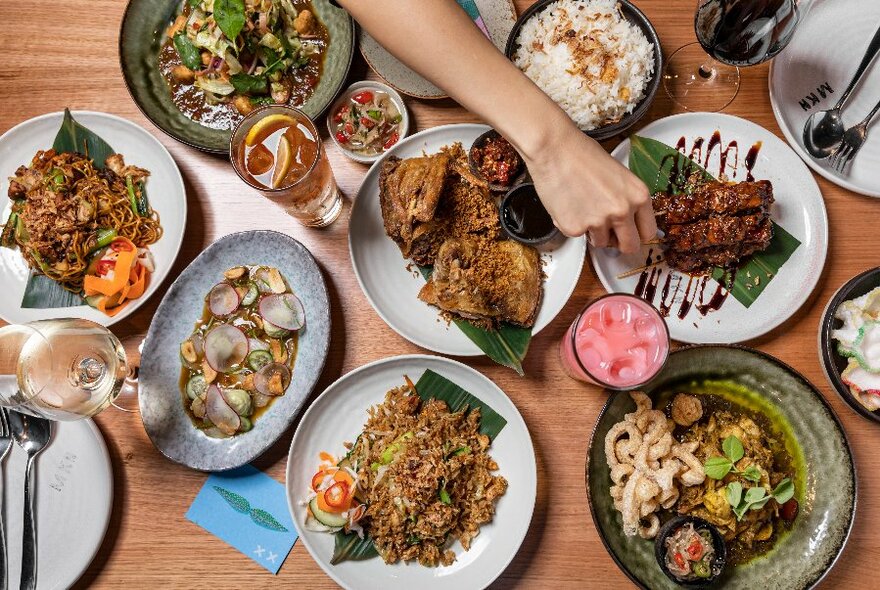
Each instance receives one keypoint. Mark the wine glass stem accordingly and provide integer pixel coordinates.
(705, 71)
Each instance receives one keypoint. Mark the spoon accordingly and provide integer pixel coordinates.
(824, 129)
(32, 434)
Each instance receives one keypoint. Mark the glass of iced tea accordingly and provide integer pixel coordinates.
(618, 341)
(277, 151)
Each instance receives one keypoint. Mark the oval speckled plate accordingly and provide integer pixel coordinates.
(160, 398)
(141, 36)
(802, 557)
(494, 17)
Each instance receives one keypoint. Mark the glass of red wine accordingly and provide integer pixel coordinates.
(704, 76)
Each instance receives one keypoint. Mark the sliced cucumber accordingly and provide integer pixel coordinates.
(326, 518)
(866, 348)
(273, 331)
(257, 359)
(196, 386)
(251, 295)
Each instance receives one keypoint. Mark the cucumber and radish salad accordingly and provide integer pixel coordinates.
(858, 339)
(241, 353)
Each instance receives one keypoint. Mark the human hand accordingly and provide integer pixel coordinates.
(586, 191)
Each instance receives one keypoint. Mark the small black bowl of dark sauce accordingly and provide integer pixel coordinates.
(690, 551)
(524, 218)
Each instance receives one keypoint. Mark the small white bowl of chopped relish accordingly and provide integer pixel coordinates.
(367, 120)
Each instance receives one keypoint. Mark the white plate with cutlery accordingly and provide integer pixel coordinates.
(814, 70)
(74, 499)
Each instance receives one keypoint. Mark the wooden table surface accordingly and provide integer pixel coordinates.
(64, 54)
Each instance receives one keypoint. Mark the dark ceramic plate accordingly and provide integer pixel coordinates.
(636, 17)
(832, 363)
(141, 36)
(161, 404)
(802, 557)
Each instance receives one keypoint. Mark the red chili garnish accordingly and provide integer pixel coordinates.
(695, 549)
(317, 479)
(391, 140)
(337, 494)
(120, 246)
(105, 266)
(341, 137)
(790, 510)
(363, 97)
(349, 128)
(679, 561)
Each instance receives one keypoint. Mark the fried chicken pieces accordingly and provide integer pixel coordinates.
(440, 217)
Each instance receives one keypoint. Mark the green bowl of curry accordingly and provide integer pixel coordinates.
(787, 431)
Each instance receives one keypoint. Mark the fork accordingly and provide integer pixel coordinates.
(853, 139)
(5, 445)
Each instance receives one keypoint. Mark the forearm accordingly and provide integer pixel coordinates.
(437, 39)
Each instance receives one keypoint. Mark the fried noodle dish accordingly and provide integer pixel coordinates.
(71, 218)
(416, 479)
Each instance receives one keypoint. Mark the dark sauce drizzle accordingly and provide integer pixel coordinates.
(680, 169)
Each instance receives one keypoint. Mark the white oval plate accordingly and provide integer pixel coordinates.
(339, 414)
(74, 483)
(393, 290)
(813, 72)
(164, 187)
(799, 208)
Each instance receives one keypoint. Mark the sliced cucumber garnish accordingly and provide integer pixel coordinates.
(251, 295)
(258, 359)
(196, 386)
(326, 518)
(273, 331)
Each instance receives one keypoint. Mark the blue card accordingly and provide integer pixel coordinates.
(247, 509)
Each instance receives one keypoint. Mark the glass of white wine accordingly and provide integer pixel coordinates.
(62, 369)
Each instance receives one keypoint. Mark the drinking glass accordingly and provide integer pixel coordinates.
(733, 33)
(618, 341)
(61, 369)
(313, 198)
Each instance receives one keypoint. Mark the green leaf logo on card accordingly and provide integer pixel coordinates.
(259, 517)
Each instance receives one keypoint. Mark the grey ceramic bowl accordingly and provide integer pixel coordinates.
(802, 557)
(141, 36)
(160, 398)
(635, 16)
(833, 363)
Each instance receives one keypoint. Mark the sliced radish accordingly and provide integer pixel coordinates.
(225, 347)
(220, 413)
(285, 311)
(257, 344)
(223, 299)
(267, 377)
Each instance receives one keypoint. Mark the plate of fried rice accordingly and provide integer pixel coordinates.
(421, 493)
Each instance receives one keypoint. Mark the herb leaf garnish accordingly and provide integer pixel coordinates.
(229, 15)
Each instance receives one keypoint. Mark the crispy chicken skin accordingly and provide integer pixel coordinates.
(486, 280)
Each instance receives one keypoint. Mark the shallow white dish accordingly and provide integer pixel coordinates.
(812, 73)
(799, 208)
(345, 96)
(74, 483)
(393, 290)
(338, 415)
(164, 188)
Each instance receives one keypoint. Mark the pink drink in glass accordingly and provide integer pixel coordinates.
(618, 341)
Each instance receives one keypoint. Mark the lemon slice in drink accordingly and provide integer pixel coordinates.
(265, 123)
(283, 160)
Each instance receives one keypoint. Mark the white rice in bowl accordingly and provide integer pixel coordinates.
(588, 58)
